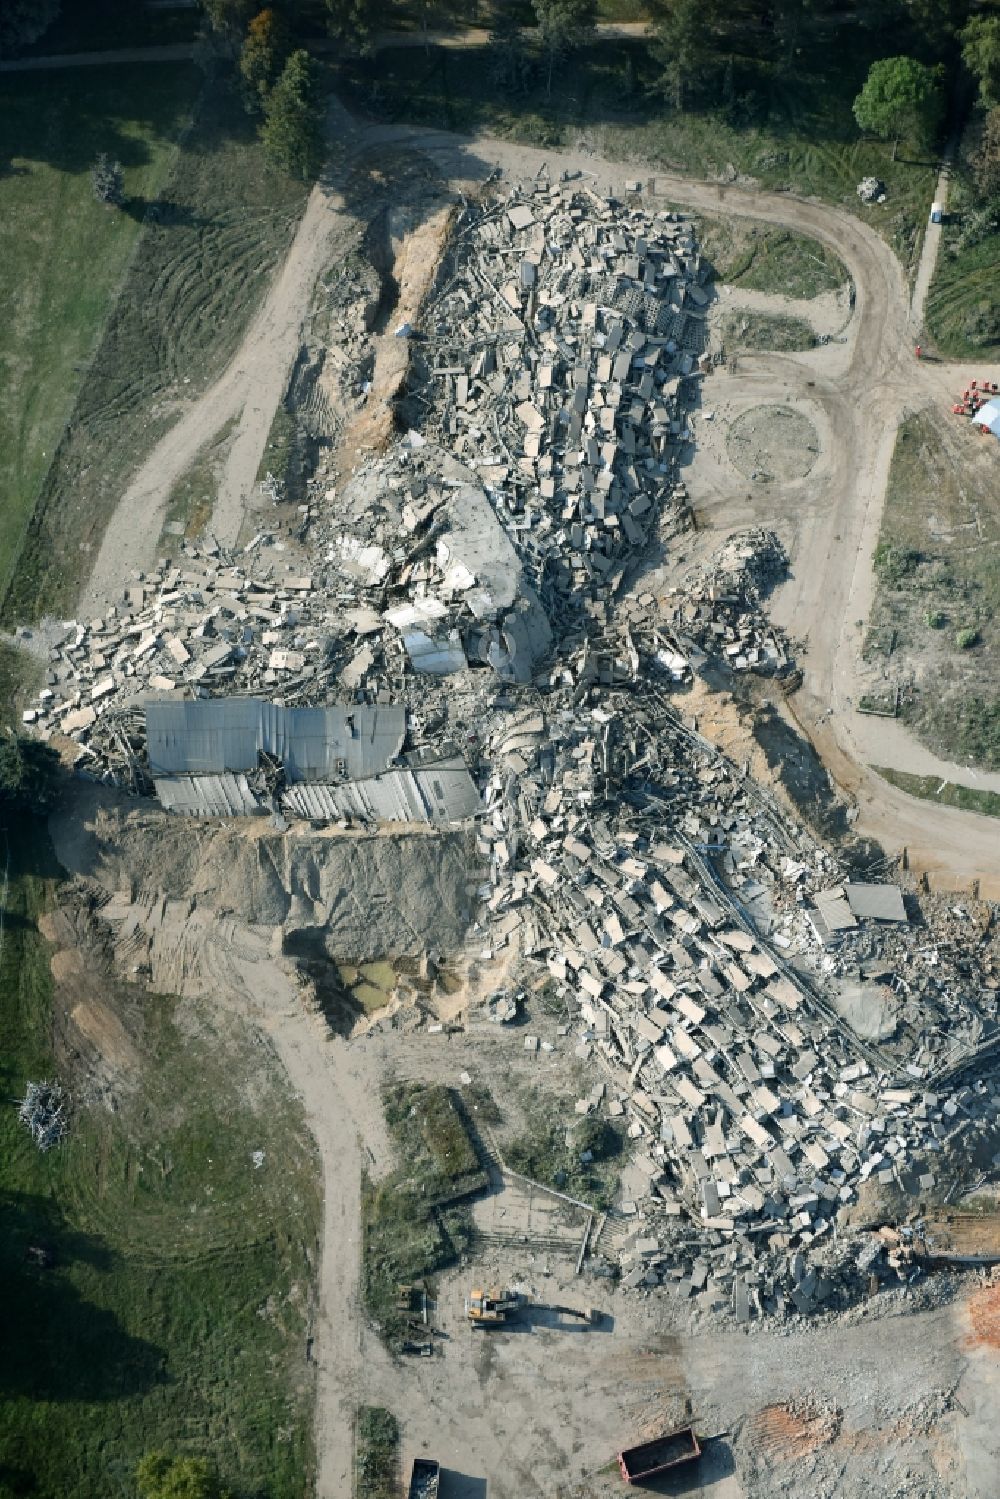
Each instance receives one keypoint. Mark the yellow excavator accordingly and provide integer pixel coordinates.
(490, 1308)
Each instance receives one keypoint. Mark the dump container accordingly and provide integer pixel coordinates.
(649, 1458)
(425, 1479)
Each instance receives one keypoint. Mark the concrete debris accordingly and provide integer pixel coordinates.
(652, 882)
(43, 1112)
(718, 608)
(871, 190)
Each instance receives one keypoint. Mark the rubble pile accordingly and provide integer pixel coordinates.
(210, 623)
(757, 1113)
(43, 1112)
(553, 360)
(871, 190)
(719, 606)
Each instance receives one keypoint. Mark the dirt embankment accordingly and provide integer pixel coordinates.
(209, 909)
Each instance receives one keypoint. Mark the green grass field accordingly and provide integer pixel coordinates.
(938, 574)
(946, 793)
(220, 223)
(173, 1314)
(62, 254)
(761, 257)
(761, 330)
(963, 303)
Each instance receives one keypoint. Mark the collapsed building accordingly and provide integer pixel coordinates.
(472, 635)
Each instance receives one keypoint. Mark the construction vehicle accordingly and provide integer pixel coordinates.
(490, 1308)
(425, 1479)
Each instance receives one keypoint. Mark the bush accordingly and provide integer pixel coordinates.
(937, 619)
(160, 1476)
(967, 638)
(895, 564)
(376, 1453)
(982, 325)
(108, 180)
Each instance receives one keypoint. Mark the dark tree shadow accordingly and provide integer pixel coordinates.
(57, 1345)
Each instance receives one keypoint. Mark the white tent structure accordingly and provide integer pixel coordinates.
(989, 416)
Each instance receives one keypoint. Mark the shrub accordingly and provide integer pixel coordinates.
(937, 619)
(108, 180)
(967, 638)
(894, 564)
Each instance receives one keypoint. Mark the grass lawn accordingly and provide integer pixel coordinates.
(223, 221)
(932, 789)
(173, 1313)
(938, 574)
(797, 135)
(761, 257)
(376, 1454)
(62, 254)
(413, 1222)
(763, 330)
(963, 303)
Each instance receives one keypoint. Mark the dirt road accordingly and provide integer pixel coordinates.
(250, 389)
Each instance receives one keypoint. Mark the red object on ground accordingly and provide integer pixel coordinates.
(974, 385)
(918, 351)
(957, 410)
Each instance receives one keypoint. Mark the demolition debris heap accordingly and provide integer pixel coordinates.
(773, 1035)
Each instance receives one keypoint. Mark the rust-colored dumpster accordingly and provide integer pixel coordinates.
(650, 1458)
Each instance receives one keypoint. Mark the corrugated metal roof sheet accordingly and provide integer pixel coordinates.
(210, 736)
(443, 792)
(209, 796)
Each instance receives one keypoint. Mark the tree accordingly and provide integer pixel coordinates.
(23, 22)
(108, 180)
(229, 19)
(511, 65)
(682, 46)
(354, 22)
(29, 771)
(563, 25)
(981, 55)
(986, 160)
(293, 128)
(789, 17)
(900, 97)
(265, 52)
(160, 1476)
